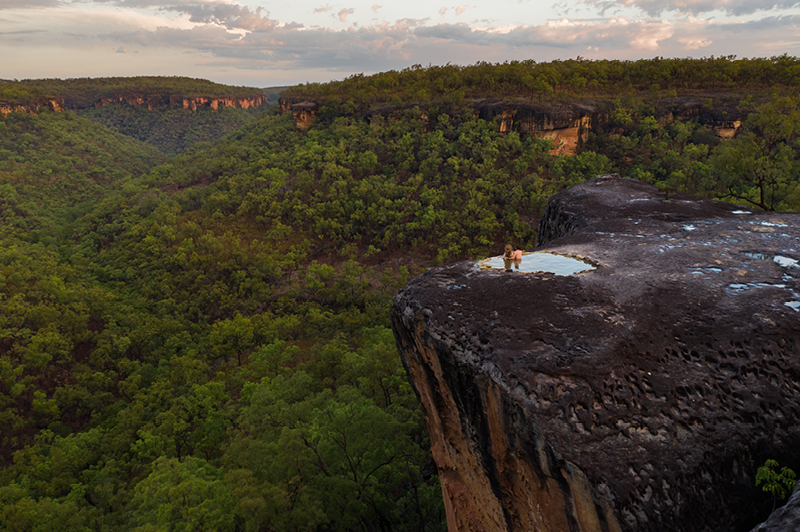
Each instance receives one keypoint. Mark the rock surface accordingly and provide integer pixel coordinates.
(784, 519)
(640, 396)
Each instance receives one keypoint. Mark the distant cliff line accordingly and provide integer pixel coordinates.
(151, 102)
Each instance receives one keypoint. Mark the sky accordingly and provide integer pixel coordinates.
(263, 43)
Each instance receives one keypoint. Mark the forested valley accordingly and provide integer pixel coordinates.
(194, 330)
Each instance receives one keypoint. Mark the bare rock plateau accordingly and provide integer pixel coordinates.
(639, 396)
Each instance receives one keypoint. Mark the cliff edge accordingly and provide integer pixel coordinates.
(639, 396)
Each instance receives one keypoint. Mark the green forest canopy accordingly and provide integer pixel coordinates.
(202, 342)
(559, 79)
(84, 92)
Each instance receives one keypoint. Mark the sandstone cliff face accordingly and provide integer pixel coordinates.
(641, 396)
(567, 125)
(53, 105)
(158, 102)
(155, 102)
(303, 113)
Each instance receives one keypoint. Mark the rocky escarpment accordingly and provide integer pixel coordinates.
(567, 125)
(303, 112)
(640, 396)
(177, 101)
(151, 102)
(51, 105)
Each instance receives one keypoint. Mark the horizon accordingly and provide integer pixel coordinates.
(258, 44)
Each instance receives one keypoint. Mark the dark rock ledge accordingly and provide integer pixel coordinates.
(641, 396)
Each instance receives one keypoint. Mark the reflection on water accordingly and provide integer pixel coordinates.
(541, 262)
(785, 262)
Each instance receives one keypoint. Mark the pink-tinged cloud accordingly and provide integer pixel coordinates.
(344, 13)
(734, 7)
(323, 9)
(218, 49)
(382, 47)
(460, 9)
(442, 10)
(376, 7)
(650, 34)
(231, 16)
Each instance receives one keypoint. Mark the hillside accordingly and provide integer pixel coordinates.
(80, 93)
(205, 342)
(54, 167)
(557, 81)
(169, 113)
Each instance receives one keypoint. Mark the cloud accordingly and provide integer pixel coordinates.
(442, 10)
(385, 46)
(120, 50)
(231, 16)
(655, 8)
(166, 5)
(694, 43)
(766, 24)
(344, 13)
(21, 32)
(376, 7)
(560, 34)
(649, 35)
(460, 9)
(23, 4)
(210, 39)
(323, 9)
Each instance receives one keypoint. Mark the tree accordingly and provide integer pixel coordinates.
(777, 483)
(758, 165)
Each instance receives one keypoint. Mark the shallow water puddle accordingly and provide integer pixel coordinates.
(541, 262)
(785, 262)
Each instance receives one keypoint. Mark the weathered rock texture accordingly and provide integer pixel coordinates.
(303, 113)
(639, 397)
(784, 519)
(52, 105)
(565, 126)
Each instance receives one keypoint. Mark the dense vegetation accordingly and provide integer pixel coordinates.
(557, 80)
(203, 344)
(149, 109)
(85, 92)
(759, 167)
(55, 166)
(171, 130)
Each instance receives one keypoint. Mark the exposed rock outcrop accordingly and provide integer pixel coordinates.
(158, 102)
(641, 396)
(52, 105)
(784, 519)
(303, 113)
(566, 125)
(151, 102)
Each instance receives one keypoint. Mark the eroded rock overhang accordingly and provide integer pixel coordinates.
(642, 395)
